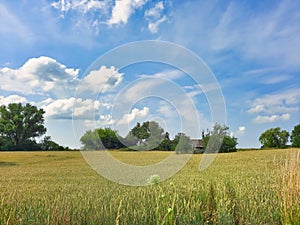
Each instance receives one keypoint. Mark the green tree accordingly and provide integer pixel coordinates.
(91, 141)
(19, 125)
(295, 136)
(109, 138)
(182, 143)
(219, 140)
(102, 138)
(274, 138)
(149, 135)
(166, 144)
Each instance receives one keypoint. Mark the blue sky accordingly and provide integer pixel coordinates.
(251, 47)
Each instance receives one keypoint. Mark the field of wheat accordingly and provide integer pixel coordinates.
(248, 187)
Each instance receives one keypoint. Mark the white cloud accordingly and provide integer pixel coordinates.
(168, 74)
(241, 130)
(102, 80)
(82, 6)
(86, 17)
(155, 12)
(257, 109)
(135, 113)
(154, 17)
(39, 75)
(71, 108)
(153, 26)
(106, 119)
(272, 118)
(12, 99)
(123, 10)
(282, 102)
(103, 121)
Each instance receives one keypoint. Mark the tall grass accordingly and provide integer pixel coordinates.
(289, 190)
(238, 188)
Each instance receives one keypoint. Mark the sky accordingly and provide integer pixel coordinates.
(55, 55)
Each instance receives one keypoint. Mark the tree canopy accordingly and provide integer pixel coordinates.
(274, 138)
(295, 136)
(20, 125)
(102, 138)
(149, 135)
(219, 140)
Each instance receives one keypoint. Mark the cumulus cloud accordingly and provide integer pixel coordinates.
(104, 120)
(154, 17)
(102, 80)
(272, 118)
(123, 9)
(135, 113)
(39, 75)
(76, 108)
(12, 99)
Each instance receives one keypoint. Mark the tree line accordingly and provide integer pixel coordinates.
(151, 136)
(20, 125)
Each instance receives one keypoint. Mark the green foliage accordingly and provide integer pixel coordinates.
(166, 144)
(219, 140)
(182, 143)
(48, 144)
(102, 138)
(19, 125)
(274, 138)
(149, 135)
(295, 136)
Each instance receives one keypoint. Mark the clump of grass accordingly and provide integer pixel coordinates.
(154, 179)
(289, 190)
(212, 209)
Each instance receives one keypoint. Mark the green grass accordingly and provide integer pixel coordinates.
(248, 187)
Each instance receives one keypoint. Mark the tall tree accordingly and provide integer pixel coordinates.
(149, 135)
(295, 136)
(274, 138)
(219, 140)
(19, 124)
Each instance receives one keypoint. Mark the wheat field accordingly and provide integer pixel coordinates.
(247, 187)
